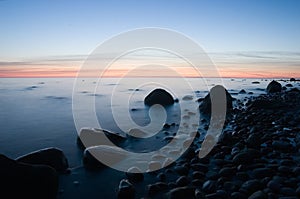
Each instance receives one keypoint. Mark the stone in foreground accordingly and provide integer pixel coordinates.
(52, 157)
(20, 180)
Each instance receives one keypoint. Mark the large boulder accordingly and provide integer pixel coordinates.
(110, 154)
(205, 106)
(274, 87)
(93, 137)
(159, 96)
(52, 157)
(20, 180)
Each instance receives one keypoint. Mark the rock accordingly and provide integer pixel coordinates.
(227, 172)
(274, 186)
(154, 189)
(281, 146)
(52, 157)
(181, 170)
(214, 196)
(182, 181)
(242, 91)
(284, 169)
(205, 106)
(258, 195)
(161, 177)
(126, 189)
(292, 79)
(199, 167)
(274, 87)
(181, 192)
(288, 191)
(245, 157)
(294, 90)
(197, 183)
(159, 96)
(298, 191)
(289, 85)
(254, 140)
(209, 186)
(94, 137)
(134, 174)
(199, 194)
(238, 195)
(250, 186)
(112, 155)
(154, 165)
(229, 186)
(187, 98)
(255, 82)
(262, 172)
(198, 175)
(21, 180)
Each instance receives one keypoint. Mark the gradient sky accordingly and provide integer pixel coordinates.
(244, 38)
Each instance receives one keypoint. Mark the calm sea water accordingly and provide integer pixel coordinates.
(37, 113)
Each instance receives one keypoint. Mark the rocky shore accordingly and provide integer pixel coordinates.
(257, 156)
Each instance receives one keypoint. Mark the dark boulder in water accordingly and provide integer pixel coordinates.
(205, 106)
(292, 79)
(52, 157)
(93, 137)
(274, 87)
(242, 91)
(110, 155)
(159, 96)
(20, 180)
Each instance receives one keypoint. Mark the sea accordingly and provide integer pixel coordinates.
(36, 113)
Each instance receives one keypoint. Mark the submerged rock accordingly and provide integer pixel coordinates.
(159, 96)
(274, 87)
(52, 157)
(154, 189)
(242, 91)
(20, 180)
(181, 192)
(93, 137)
(110, 154)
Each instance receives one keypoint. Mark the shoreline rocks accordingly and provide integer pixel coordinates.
(20, 180)
(52, 157)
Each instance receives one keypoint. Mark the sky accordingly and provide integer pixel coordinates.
(244, 38)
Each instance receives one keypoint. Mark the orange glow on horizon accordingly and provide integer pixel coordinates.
(225, 72)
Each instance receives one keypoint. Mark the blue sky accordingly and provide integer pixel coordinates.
(56, 29)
